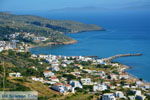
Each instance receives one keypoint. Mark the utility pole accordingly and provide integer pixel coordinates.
(4, 76)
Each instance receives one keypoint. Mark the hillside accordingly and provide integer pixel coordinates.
(53, 29)
(22, 62)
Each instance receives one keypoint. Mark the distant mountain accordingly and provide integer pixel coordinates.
(88, 8)
(137, 6)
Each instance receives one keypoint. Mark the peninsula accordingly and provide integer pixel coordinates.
(38, 31)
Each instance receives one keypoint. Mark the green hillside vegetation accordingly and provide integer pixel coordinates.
(21, 62)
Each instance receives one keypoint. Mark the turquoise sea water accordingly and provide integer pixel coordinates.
(126, 32)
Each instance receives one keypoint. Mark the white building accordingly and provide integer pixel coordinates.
(48, 73)
(64, 65)
(100, 87)
(114, 77)
(137, 92)
(54, 64)
(119, 94)
(49, 82)
(86, 81)
(54, 79)
(15, 74)
(124, 76)
(139, 83)
(62, 88)
(108, 96)
(1, 49)
(40, 79)
(59, 87)
(34, 56)
(68, 87)
(75, 84)
(56, 68)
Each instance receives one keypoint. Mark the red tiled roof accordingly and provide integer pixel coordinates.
(53, 77)
(67, 85)
(47, 71)
(58, 84)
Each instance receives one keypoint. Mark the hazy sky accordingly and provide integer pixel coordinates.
(10, 5)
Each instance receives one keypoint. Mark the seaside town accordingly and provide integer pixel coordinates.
(72, 74)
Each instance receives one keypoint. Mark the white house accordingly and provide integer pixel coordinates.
(113, 87)
(34, 56)
(108, 96)
(54, 79)
(62, 88)
(119, 94)
(100, 87)
(40, 79)
(137, 92)
(1, 49)
(56, 68)
(75, 84)
(64, 65)
(126, 86)
(139, 83)
(48, 73)
(124, 76)
(114, 77)
(147, 87)
(42, 56)
(86, 81)
(54, 64)
(68, 87)
(59, 87)
(100, 61)
(100, 73)
(49, 82)
(15, 74)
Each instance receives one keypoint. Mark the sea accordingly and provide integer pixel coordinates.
(126, 32)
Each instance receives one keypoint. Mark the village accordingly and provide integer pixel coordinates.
(15, 41)
(71, 74)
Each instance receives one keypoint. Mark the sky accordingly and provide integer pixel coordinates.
(13, 5)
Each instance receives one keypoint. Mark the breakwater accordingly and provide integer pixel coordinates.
(109, 59)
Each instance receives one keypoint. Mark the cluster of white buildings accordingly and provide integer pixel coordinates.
(137, 95)
(113, 96)
(27, 35)
(15, 74)
(7, 45)
(39, 38)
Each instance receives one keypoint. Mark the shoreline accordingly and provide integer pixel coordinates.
(131, 76)
(126, 67)
(51, 43)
